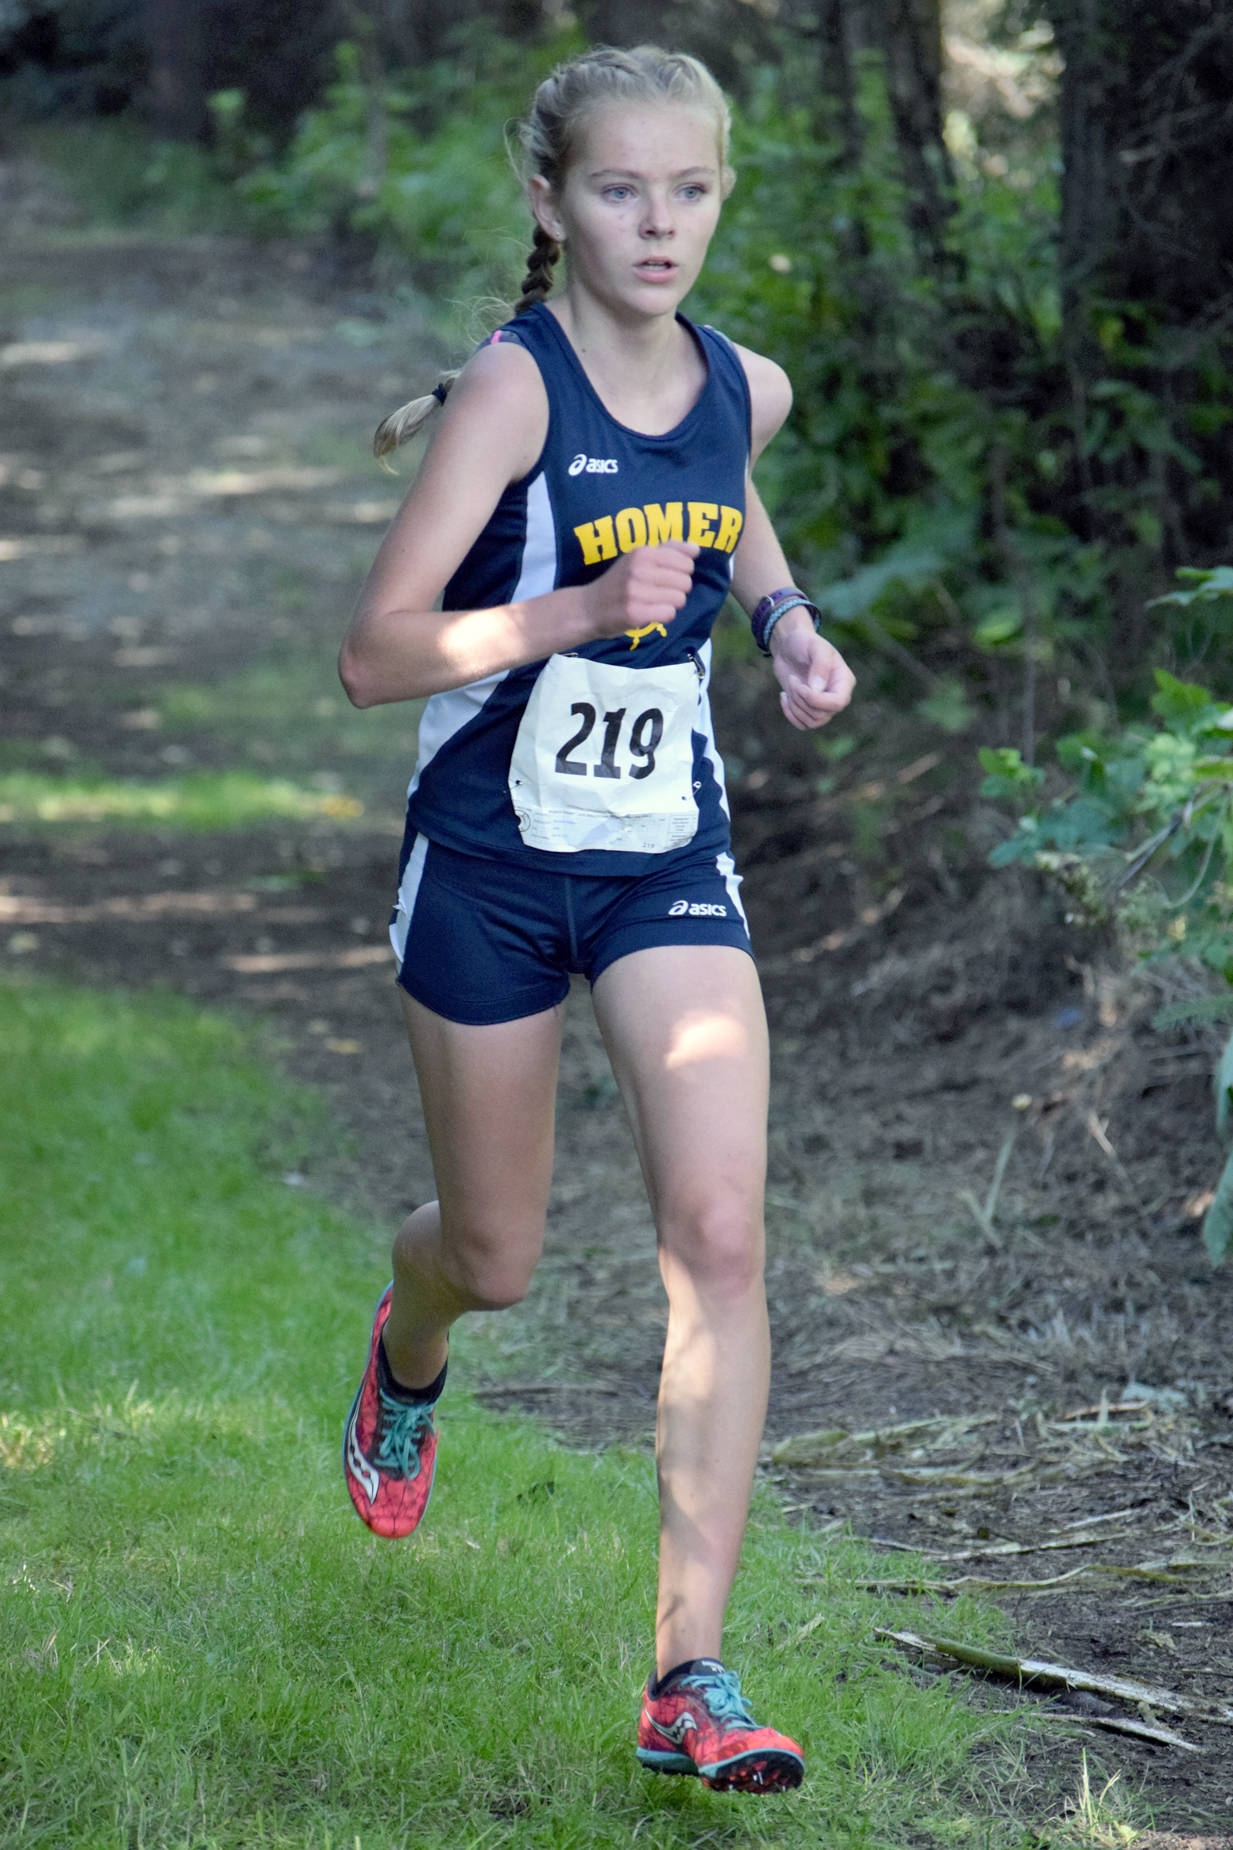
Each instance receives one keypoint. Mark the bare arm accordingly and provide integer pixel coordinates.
(815, 682)
(399, 646)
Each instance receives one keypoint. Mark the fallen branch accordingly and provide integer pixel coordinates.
(963, 1583)
(1121, 1724)
(911, 1435)
(1032, 1670)
(986, 1550)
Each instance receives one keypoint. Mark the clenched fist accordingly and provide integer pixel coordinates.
(645, 588)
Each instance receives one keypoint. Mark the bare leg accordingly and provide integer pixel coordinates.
(488, 1095)
(686, 1033)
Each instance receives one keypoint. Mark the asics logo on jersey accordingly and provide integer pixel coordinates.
(697, 909)
(594, 465)
(358, 1464)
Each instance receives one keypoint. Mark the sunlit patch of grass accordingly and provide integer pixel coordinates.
(294, 703)
(264, 697)
(287, 711)
(199, 1645)
(196, 800)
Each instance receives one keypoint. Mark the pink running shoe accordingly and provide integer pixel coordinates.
(389, 1448)
(701, 1724)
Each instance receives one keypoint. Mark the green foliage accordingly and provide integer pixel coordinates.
(120, 177)
(1006, 773)
(924, 483)
(1142, 833)
(880, 484)
(1201, 587)
(414, 164)
(1140, 838)
(974, 487)
(885, 443)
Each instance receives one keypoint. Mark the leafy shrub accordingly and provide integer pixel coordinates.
(415, 165)
(917, 484)
(1140, 837)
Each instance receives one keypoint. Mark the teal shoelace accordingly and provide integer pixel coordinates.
(722, 1692)
(403, 1425)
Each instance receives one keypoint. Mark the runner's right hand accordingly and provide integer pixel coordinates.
(645, 587)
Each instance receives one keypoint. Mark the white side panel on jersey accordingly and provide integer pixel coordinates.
(703, 724)
(445, 714)
(539, 552)
(732, 880)
(724, 863)
(404, 905)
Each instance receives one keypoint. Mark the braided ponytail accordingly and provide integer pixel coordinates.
(537, 283)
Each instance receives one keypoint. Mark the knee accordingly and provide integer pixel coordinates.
(491, 1274)
(718, 1245)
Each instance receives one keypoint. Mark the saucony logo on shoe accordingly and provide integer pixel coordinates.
(676, 1730)
(358, 1465)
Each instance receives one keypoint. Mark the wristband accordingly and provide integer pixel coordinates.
(775, 605)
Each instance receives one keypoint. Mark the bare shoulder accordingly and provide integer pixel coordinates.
(770, 395)
(489, 434)
(499, 402)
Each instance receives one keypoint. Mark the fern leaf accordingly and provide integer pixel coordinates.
(1193, 1008)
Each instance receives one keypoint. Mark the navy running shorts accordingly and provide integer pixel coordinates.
(483, 941)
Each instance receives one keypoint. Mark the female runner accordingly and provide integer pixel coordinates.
(550, 583)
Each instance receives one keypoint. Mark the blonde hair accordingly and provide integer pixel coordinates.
(546, 140)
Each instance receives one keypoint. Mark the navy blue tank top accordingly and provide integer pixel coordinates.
(597, 489)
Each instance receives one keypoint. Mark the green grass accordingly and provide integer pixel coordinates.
(197, 800)
(201, 1647)
(290, 708)
(119, 178)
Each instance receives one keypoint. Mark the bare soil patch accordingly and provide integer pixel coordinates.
(989, 1294)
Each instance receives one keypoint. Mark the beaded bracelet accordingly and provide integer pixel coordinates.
(777, 604)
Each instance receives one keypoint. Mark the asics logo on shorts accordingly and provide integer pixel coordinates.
(695, 909)
(594, 465)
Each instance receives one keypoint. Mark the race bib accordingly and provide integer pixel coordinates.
(604, 757)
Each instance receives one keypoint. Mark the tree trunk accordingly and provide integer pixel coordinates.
(1146, 274)
(906, 35)
(1147, 154)
(177, 89)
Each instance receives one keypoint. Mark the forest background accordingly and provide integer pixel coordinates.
(988, 239)
(991, 245)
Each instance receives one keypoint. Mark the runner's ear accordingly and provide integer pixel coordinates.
(543, 205)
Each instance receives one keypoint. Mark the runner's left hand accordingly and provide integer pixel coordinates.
(815, 681)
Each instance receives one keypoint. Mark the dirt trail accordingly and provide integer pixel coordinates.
(986, 1169)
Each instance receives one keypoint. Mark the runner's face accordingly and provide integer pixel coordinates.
(639, 204)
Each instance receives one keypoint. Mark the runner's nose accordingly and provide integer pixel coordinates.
(657, 219)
